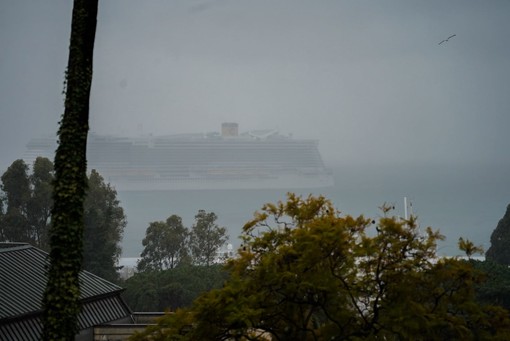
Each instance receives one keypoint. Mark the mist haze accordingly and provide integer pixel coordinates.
(396, 113)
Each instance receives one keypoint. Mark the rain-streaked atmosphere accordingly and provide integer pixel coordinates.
(406, 99)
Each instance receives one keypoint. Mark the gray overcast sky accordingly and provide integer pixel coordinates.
(366, 78)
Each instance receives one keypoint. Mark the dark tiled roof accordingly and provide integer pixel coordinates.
(27, 329)
(93, 313)
(22, 284)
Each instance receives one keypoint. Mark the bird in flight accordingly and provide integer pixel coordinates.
(445, 40)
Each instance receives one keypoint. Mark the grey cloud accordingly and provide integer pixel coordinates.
(364, 78)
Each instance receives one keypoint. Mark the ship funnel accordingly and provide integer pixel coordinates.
(229, 129)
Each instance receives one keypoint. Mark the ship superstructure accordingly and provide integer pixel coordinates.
(226, 160)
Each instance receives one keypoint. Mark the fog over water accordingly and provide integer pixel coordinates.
(396, 113)
(467, 204)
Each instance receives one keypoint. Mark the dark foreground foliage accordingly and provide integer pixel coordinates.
(307, 272)
(173, 288)
(499, 251)
(27, 201)
(495, 289)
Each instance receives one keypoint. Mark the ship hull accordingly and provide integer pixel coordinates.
(277, 182)
(200, 162)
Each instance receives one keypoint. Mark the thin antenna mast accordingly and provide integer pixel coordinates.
(405, 208)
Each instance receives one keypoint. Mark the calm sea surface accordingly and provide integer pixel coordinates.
(465, 202)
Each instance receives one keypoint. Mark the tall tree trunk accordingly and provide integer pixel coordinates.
(61, 298)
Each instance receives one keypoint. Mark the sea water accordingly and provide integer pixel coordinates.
(459, 201)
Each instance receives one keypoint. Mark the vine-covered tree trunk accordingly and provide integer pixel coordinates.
(61, 298)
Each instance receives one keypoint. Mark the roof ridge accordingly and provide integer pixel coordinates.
(14, 246)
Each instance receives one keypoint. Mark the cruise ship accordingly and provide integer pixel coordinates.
(221, 160)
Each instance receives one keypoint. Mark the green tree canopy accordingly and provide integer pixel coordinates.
(28, 202)
(499, 251)
(307, 272)
(172, 288)
(104, 226)
(165, 245)
(206, 238)
(469, 248)
(29, 219)
(16, 188)
(495, 289)
(41, 202)
(2, 215)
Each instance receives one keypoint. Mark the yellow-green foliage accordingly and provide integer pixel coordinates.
(307, 272)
